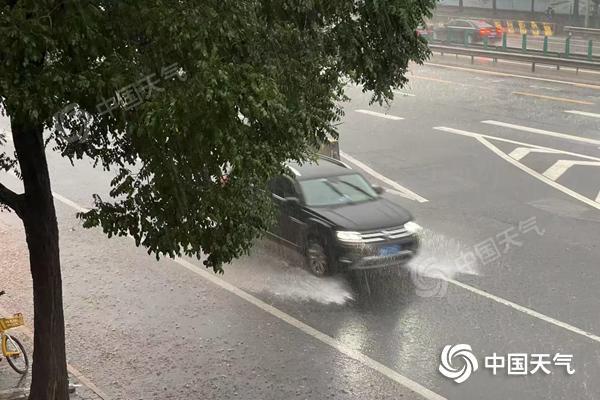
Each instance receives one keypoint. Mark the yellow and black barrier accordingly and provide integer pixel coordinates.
(534, 28)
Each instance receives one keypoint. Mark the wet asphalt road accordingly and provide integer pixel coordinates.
(141, 328)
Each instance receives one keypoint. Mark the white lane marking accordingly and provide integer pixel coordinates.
(521, 152)
(545, 88)
(397, 193)
(543, 132)
(406, 94)
(598, 198)
(74, 371)
(561, 166)
(407, 192)
(70, 203)
(527, 311)
(390, 373)
(545, 97)
(533, 78)
(316, 334)
(585, 114)
(380, 115)
(549, 149)
(524, 168)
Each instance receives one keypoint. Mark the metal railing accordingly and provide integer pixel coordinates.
(541, 45)
(584, 32)
(533, 59)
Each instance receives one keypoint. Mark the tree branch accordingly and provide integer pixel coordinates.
(12, 200)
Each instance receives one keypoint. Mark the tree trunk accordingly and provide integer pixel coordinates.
(494, 6)
(576, 8)
(460, 5)
(49, 371)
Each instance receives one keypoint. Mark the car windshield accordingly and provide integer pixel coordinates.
(336, 190)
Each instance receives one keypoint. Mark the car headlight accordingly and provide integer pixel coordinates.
(413, 227)
(349, 236)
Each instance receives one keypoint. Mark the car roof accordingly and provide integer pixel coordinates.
(323, 167)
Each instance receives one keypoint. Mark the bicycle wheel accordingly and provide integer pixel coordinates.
(18, 362)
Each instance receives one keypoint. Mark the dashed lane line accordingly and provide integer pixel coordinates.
(545, 97)
(584, 113)
(380, 115)
(543, 132)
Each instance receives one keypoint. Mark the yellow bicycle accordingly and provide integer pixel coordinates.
(12, 349)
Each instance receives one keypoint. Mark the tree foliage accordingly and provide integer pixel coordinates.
(259, 82)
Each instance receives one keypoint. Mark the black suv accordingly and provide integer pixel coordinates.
(339, 221)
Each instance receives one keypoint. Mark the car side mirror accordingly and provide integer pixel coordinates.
(292, 201)
(378, 189)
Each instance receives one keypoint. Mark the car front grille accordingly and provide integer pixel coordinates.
(384, 234)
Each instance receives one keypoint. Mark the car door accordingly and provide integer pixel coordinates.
(289, 227)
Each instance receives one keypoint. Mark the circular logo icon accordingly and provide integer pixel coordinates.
(72, 123)
(428, 278)
(450, 355)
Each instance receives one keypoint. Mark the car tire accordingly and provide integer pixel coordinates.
(317, 259)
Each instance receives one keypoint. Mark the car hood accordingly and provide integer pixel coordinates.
(370, 215)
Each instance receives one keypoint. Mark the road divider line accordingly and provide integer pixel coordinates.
(314, 333)
(378, 114)
(584, 113)
(525, 310)
(543, 132)
(522, 167)
(533, 78)
(563, 99)
(407, 192)
(548, 149)
(598, 198)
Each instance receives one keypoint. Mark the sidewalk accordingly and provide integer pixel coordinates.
(16, 387)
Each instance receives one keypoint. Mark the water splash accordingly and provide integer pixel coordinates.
(281, 272)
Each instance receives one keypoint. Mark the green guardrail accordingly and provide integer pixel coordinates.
(584, 51)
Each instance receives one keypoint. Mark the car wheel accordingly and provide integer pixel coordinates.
(317, 259)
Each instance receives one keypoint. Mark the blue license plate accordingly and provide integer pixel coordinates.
(389, 250)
